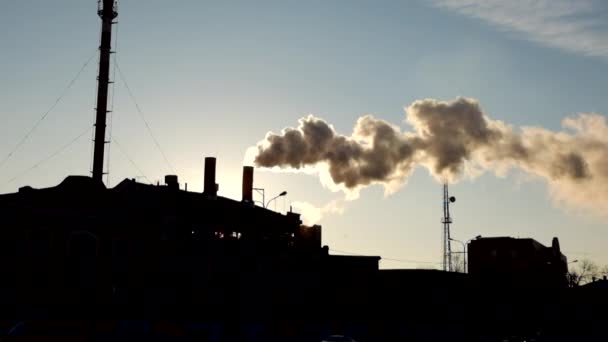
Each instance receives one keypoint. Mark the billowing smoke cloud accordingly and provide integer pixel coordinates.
(450, 139)
(312, 214)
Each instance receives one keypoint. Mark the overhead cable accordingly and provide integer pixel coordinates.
(112, 111)
(389, 259)
(141, 115)
(130, 159)
(58, 151)
(33, 128)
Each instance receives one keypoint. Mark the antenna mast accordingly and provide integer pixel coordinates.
(107, 11)
(446, 220)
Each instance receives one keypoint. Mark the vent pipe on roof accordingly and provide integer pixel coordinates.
(210, 187)
(555, 244)
(172, 182)
(248, 184)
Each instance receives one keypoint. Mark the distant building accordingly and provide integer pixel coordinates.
(597, 283)
(517, 262)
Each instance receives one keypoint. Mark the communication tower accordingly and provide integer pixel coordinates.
(447, 220)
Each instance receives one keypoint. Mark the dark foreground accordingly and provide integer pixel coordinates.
(403, 312)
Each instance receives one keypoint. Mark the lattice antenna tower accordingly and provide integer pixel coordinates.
(446, 221)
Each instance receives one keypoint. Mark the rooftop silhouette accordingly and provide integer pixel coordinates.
(199, 266)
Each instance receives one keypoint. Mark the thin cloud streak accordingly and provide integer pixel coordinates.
(574, 26)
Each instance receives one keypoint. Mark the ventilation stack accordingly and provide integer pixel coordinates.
(248, 184)
(210, 187)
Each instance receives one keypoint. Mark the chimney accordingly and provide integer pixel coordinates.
(172, 182)
(107, 12)
(210, 187)
(248, 184)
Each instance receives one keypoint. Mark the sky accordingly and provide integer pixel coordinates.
(213, 78)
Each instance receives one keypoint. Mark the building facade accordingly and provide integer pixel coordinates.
(517, 262)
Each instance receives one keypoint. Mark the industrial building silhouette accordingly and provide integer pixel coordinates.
(213, 267)
(515, 262)
(199, 266)
(83, 242)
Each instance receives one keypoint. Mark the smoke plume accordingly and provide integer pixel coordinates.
(312, 214)
(450, 139)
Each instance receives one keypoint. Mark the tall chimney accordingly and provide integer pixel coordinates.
(107, 11)
(210, 187)
(248, 184)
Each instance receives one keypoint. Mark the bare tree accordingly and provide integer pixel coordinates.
(584, 272)
(458, 263)
(604, 271)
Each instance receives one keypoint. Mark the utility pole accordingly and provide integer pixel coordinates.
(107, 11)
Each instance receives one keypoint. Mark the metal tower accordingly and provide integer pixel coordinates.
(446, 220)
(107, 11)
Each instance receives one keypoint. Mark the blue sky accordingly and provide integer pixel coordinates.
(212, 78)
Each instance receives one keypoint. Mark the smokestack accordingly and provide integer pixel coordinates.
(107, 12)
(210, 187)
(248, 184)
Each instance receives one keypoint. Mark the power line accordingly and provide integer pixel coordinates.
(412, 261)
(344, 252)
(31, 130)
(112, 112)
(141, 115)
(130, 159)
(61, 149)
(94, 106)
(389, 259)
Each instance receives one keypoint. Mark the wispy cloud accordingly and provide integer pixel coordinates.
(574, 25)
